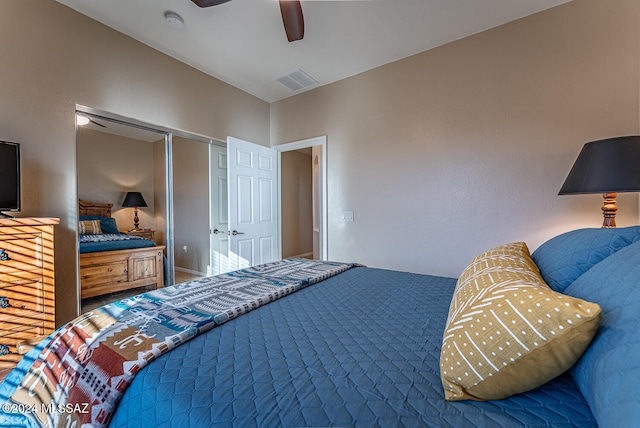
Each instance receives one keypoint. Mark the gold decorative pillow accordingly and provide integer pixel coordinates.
(89, 227)
(507, 331)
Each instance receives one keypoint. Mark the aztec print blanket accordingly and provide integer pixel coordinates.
(77, 376)
(106, 237)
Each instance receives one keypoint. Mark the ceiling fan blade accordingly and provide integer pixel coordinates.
(209, 3)
(96, 123)
(292, 19)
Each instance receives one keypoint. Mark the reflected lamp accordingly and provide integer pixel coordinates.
(134, 200)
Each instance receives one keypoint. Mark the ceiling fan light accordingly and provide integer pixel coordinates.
(81, 120)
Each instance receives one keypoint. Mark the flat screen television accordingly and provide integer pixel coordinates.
(9, 176)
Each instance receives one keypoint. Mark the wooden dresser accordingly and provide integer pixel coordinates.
(27, 288)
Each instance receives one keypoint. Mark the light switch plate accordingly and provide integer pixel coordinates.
(347, 215)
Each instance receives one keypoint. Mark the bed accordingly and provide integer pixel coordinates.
(111, 261)
(305, 343)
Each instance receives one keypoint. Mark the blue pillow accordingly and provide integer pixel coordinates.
(107, 224)
(564, 258)
(608, 372)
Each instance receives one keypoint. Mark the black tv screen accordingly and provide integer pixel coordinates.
(9, 176)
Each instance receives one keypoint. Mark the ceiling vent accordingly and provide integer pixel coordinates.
(297, 80)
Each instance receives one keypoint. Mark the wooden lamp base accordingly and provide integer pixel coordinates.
(609, 209)
(136, 220)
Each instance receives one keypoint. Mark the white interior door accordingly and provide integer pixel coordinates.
(219, 210)
(253, 208)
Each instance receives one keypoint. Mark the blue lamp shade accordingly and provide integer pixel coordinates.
(606, 166)
(134, 199)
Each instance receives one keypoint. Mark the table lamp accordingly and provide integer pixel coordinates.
(608, 166)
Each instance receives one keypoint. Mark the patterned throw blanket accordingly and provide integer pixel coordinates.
(79, 375)
(107, 237)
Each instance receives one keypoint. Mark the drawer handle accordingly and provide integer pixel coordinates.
(4, 255)
(4, 350)
(4, 303)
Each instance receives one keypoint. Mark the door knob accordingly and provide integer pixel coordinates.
(216, 231)
(235, 232)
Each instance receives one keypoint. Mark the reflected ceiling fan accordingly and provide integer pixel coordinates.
(291, 11)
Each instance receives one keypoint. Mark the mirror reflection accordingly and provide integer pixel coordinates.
(122, 216)
(129, 240)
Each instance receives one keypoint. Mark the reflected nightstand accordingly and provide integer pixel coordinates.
(147, 234)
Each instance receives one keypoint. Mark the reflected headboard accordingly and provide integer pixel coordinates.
(100, 209)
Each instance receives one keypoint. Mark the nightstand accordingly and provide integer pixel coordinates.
(146, 234)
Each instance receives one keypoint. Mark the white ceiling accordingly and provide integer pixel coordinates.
(243, 42)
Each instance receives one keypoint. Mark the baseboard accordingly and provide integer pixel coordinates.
(302, 256)
(189, 271)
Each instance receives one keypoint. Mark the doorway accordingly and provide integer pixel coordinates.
(313, 217)
(297, 202)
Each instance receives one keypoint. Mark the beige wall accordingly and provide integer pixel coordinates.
(53, 58)
(449, 152)
(296, 203)
(109, 166)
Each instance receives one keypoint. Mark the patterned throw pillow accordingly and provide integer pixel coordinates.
(89, 227)
(107, 224)
(507, 331)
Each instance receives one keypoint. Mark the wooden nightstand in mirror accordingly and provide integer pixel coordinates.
(146, 234)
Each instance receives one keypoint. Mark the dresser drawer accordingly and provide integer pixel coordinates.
(104, 274)
(9, 354)
(20, 292)
(27, 285)
(21, 251)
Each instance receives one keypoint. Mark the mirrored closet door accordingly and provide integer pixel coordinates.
(200, 225)
(180, 183)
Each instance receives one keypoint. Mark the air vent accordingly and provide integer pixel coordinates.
(297, 80)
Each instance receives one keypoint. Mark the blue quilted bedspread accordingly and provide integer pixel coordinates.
(359, 349)
(77, 376)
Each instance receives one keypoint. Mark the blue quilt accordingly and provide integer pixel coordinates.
(359, 349)
(77, 376)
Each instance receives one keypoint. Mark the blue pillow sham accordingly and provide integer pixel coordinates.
(608, 372)
(564, 258)
(107, 224)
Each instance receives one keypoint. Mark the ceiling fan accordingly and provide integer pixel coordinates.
(291, 11)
